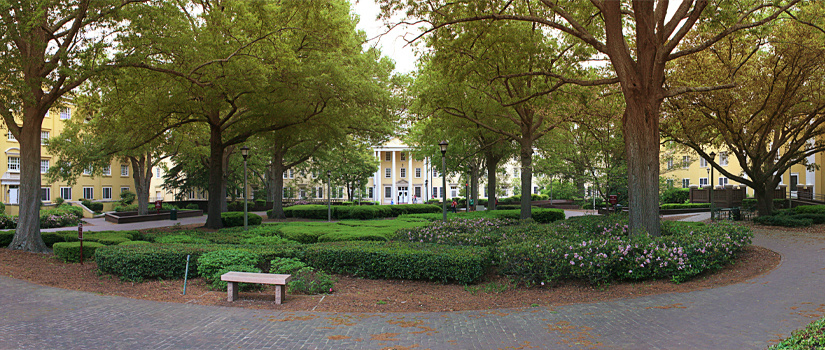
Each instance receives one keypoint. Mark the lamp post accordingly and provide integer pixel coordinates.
(710, 195)
(329, 195)
(443, 145)
(245, 153)
(426, 192)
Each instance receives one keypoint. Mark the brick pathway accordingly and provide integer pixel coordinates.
(744, 316)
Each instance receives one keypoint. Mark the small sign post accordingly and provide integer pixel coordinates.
(158, 205)
(80, 238)
(613, 199)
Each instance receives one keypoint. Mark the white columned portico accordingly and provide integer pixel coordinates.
(376, 181)
(410, 177)
(394, 189)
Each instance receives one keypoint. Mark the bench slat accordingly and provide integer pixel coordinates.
(252, 277)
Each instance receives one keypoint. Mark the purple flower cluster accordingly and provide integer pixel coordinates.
(473, 232)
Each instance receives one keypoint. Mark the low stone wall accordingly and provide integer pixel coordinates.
(126, 217)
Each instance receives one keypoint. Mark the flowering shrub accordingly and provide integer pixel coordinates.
(600, 250)
(476, 232)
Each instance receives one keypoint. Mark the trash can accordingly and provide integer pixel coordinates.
(173, 215)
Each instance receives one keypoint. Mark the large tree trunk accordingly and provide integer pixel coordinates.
(764, 198)
(474, 186)
(641, 133)
(217, 196)
(142, 176)
(277, 169)
(27, 236)
(526, 156)
(492, 166)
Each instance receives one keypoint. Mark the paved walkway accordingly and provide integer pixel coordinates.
(748, 315)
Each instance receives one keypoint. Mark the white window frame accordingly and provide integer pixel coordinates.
(403, 173)
(388, 156)
(685, 162)
(703, 162)
(88, 190)
(87, 171)
(435, 172)
(44, 136)
(103, 192)
(371, 193)
(48, 194)
(291, 174)
(417, 173)
(723, 158)
(107, 170)
(387, 173)
(157, 172)
(11, 136)
(669, 183)
(44, 166)
(723, 181)
(65, 113)
(124, 189)
(66, 193)
(403, 156)
(388, 192)
(685, 183)
(703, 182)
(14, 164)
(124, 170)
(670, 163)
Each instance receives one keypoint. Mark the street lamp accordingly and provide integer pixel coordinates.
(443, 145)
(426, 191)
(710, 168)
(329, 195)
(245, 153)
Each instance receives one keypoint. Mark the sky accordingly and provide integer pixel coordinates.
(391, 44)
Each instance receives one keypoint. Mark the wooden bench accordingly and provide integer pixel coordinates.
(232, 278)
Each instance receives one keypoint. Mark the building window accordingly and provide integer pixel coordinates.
(723, 158)
(291, 174)
(403, 173)
(388, 156)
(387, 192)
(723, 181)
(669, 183)
(703, 162)
(340, 192)
(370, 192)
(107, 193)
(44, 137)
(321, 192)
(87, 171)
(403, 156)
(387, 172)
(453, 191)
(65, 113)
(703, 182)
(124, 170)
(670, 164)
(536, 189)
(14, 164)
(435, 192)
(11, 136)
(685, 162)
(45, 194)
(66, 193)
(417, 193)
(417, 173)
(685, 183)
(157, 172)
(107, 170)
(124, 189)
(435, 172)
(88, 192)
(44, 166)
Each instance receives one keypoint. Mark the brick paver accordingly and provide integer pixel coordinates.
(748, 315)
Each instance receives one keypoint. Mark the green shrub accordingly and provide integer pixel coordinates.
(811, 337)
(218, 284)
(171, 239)
(470, 232)
(192, 206)
(5, 238)
(70, 251)
(309, 281)
(266, 240)
(684, 206)
(351, 236)
(399, 260)
(545, 215)
(127, 197)
(810, 209)
(59, 201)
(675, 195)
(50, 238)
(750, 203)
(113, 237)
(509, 207)
(139, 261)
(113, 240)
(210, 264)
(783, 220)
(285, 266)
(2, 208)
(134, 243)
(235, 218)
(600, 250)
(8, 222)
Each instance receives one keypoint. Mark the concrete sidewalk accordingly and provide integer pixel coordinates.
(100, 224)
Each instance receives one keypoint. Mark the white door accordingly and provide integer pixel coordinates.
(403, 195)
(13, 195)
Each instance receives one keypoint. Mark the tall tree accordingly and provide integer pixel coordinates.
(774, 119)
(48, 49)
(638, 37)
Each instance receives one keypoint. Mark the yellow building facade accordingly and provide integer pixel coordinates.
(106, 188)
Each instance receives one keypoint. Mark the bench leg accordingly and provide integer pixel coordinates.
(231, 291)
(279, 294)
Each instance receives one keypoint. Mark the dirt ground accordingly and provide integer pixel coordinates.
(362, 295)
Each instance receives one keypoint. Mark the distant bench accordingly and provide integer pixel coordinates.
(232, 279)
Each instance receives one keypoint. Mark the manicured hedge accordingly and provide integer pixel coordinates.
(600, 250)
(400, 260)
(675, 195)
(320, 212)
(783, 220)
(235, 218)
(70, 251)
(750, 203)
(5, 238)
(809, 209)
(684, 206)
(540, 215)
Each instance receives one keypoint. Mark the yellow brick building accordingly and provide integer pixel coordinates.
(105, 188)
